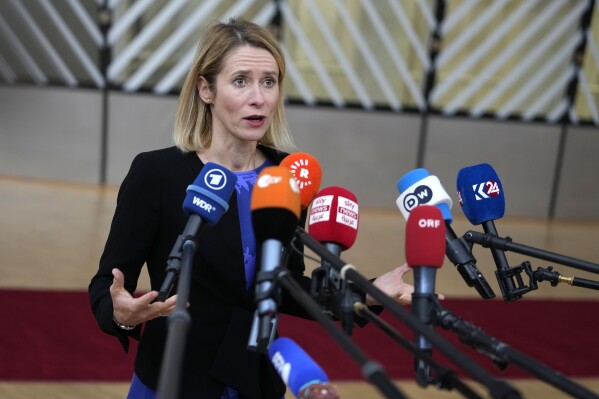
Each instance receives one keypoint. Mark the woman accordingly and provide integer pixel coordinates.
(230, 112)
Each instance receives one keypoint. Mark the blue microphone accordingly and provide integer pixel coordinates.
(480, 194)
(208, 196)
(419, 187)
(206, 201)
(298, 370)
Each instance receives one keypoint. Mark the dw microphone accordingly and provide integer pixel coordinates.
(419, 187)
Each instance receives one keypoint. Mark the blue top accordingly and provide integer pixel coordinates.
(244, 186)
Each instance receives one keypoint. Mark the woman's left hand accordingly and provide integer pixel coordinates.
(392, 284)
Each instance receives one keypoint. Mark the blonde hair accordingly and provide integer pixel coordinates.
(193, 121)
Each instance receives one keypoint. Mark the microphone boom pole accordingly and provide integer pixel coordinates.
(447, 378)
(505, 244)
(497, 388)
(503, 353)
(371, 370)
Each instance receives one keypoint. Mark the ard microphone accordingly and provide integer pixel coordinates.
(419, 187)
(425, 251)
(275, 207)
(480, 194)
(307, 172)
(206, 201)
(305, 378)
(333, 221)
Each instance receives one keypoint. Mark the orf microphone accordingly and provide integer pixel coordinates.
(481, 196)
(425, 245)
(333, 221)
(299, 371)
(419, 187)
(206, 201)
(307, 172)
(275, 207)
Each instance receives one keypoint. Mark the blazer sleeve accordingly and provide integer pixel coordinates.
(132, 233)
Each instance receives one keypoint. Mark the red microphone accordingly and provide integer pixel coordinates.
(425, 252)
(308, 174)
(334, 218)
(333, 221)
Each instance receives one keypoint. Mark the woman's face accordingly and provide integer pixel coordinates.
(246, 95)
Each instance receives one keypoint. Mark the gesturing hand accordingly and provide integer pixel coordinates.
(392, 284)
(132, 311)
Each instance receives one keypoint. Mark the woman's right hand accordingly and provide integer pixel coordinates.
(133, 311)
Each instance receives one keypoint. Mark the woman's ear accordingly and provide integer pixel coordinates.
(204, 90)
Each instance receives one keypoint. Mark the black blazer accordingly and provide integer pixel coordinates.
(146, 223)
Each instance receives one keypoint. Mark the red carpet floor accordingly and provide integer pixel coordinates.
(52, 336)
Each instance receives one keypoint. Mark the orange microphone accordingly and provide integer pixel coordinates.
(275, 206)
(308, 174)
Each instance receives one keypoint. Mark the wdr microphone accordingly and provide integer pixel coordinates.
(425, 252)
(275, 207)
(480, 194)
(333, 221)
(307, 172)
(299, 371)
(208, 196)
(206, 201)
(419, 187)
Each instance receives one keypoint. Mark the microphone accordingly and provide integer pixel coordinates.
(206, 201)
(305, 378)
(333, 221)
(419, 187)
(481, 197)
(275, 207)
(425, 244)
(307, 172)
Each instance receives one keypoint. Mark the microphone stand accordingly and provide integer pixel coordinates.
(173, 263)
(497, 388)
(446, 378)
(555, 277)
(371, 370)
(506, 244)
(502, 354)
(178, 325)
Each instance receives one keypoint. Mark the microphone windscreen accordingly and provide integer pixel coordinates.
(480, 193)
(275, 204)
(295, 367)
(334, 217)
(419, 187)
(425, 237)
(307, 172)
(210, 193)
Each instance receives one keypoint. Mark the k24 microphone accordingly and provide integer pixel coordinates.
(425, 252)
(307, 172)
(480, 194)
(333, 221)
(305, 378)
(275, 207)
(206, 201)
(419, 187)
